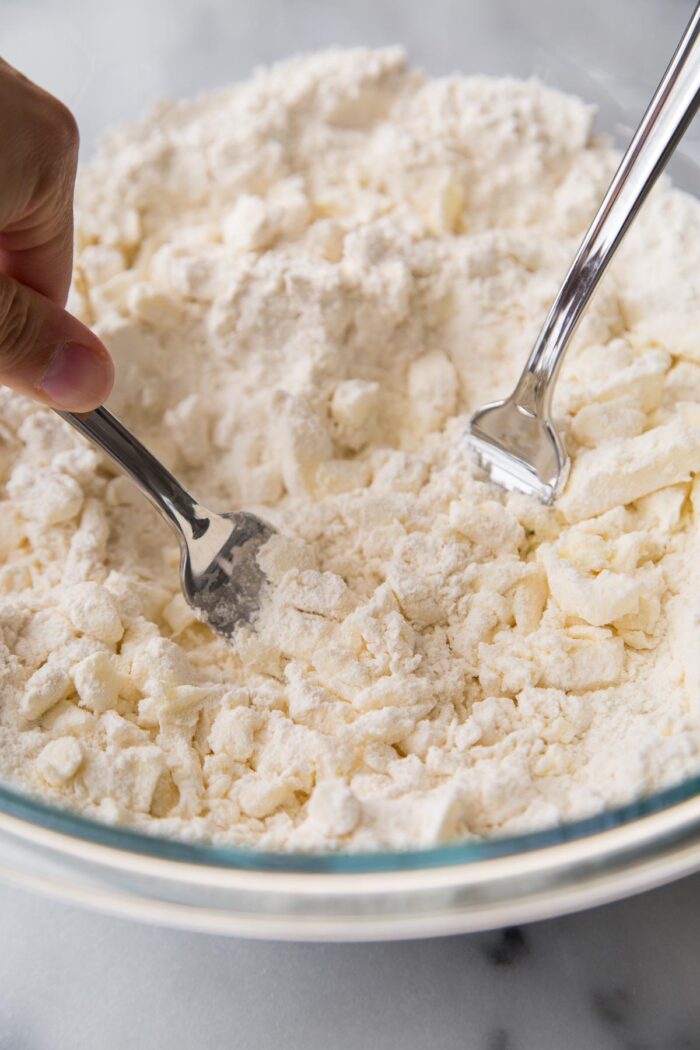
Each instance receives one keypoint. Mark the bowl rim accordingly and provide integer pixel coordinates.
(636, 825)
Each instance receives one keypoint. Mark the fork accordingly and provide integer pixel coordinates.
(516, 440)
(219, 572)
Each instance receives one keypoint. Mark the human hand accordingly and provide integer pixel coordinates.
(45, 353)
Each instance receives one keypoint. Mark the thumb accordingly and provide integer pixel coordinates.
(47, 354)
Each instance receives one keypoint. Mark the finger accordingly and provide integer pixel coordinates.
(49, 355)
(38, 163)
(38, 251)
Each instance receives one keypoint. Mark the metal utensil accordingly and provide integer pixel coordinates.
(219, 573)
(515, 439)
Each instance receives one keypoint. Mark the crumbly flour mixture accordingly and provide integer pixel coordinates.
(308, 281)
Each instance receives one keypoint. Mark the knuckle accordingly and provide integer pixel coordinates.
(66, 127)
(56, 128)
(53, 159)
(61, 128)
(19, 326)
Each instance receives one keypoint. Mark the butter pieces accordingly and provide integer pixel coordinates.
(584, 664)
(58, 762)
(623, 471)
(598, 600)
(432, 386)
(92, 611)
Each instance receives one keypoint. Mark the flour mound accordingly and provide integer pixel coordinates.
(308, 282)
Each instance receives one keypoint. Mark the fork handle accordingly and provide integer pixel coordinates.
(668, 115)
(164, 491)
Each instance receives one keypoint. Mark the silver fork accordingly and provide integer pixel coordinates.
(219, 573)
(515, 439)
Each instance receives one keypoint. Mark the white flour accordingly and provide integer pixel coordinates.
(308, 282)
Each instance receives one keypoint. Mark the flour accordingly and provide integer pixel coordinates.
(308, 281)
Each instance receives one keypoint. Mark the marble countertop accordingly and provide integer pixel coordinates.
(622, 977)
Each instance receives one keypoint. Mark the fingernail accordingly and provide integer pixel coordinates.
(77, 378)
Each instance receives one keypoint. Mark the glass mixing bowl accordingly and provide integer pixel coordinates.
(108, 62)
